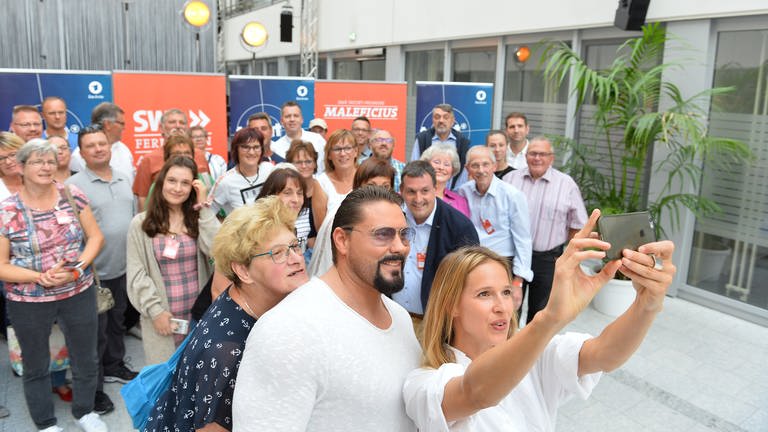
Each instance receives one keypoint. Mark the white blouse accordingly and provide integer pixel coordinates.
(530, 406)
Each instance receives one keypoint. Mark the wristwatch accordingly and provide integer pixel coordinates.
(77, 269)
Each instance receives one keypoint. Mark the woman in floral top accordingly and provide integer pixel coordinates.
(167, 257)
(44, 262)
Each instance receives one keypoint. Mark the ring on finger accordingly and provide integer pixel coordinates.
(658, 264)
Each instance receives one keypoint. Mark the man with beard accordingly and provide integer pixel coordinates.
(442, 132)
(335, 353)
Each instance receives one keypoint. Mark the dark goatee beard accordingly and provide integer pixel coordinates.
(389, 287)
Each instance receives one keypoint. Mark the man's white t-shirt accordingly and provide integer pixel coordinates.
(314, 364)
(282, 145)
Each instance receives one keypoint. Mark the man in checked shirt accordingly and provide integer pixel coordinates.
(556, 212)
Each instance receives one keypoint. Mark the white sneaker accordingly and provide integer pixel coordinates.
(54, 428)
(92, 423)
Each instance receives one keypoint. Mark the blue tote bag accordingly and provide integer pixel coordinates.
(141, 393)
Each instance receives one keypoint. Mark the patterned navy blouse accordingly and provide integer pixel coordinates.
(202, 386)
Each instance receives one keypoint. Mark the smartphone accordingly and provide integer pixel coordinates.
(625, 231)
(70, 265)
(180, 326)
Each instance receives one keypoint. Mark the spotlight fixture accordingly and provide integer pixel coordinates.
(254, 36)
(196, 13)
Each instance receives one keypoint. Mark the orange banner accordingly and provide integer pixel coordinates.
(338, 102)
(145, 96)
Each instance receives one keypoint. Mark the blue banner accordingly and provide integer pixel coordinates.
(82, 91)
(249, 95)
(472, 106)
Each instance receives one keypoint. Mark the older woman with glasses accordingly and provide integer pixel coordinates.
(445, 161)
(257, 250)
(480, 374)
(340, 166)
(242, 184)
(48, 240)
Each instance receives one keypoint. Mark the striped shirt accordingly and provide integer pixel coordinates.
(554, 203)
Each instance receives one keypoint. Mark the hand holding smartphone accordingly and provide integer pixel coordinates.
(179, 326)
(625, 231)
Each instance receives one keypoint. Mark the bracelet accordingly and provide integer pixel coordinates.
(76, 273)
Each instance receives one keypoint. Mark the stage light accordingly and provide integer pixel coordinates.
(196, 13)
(254, 35)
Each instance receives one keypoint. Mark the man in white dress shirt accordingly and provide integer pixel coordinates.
(111, 118)
(499, 213)
(291, 119)
(517, 129)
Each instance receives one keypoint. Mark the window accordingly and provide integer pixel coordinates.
(419, 66)
(527, 91)
(729, 252)
(478, 66)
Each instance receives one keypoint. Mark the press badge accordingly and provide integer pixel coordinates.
(171, 248)
(421, 258)
(488, 227)
(63, 217)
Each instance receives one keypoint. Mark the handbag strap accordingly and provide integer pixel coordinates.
(174, 360)
(72, 204)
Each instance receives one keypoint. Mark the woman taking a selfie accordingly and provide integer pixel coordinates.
(167, 257)
(481, 374)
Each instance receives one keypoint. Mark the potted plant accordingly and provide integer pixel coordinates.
(629, 127)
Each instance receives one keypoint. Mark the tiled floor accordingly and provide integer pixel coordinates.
(698, 370)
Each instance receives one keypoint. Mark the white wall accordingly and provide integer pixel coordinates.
(395, 22)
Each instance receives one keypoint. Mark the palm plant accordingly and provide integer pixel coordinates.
(629, 122)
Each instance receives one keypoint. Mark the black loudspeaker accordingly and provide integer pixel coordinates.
(286, 26)
(630, 15)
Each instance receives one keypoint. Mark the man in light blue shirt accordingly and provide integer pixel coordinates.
(499, 213)
(382, 144)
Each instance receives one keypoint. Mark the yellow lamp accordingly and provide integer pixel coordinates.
(197, 13)
(254, 34)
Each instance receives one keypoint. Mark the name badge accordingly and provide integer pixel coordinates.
(63, 217)
(488, 227)
(171, 248)
(421, 258)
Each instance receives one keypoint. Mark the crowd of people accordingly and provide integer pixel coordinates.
(314, 282)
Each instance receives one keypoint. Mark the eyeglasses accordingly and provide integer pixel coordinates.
(251, 148)
(534, 155)
(11, 157)
(385, 235)
(340, 150)
(303, 162)
(29, 125)
(40, 162)
(360, 130)
(279, 253)
(383, 140)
